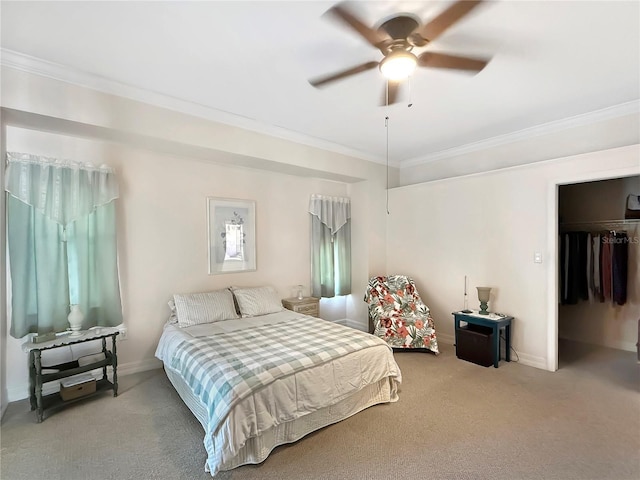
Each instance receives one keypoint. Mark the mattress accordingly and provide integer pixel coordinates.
(293, 405)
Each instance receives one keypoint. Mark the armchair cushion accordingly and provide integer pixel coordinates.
(398, 313)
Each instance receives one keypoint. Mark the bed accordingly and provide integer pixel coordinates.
(268, 376)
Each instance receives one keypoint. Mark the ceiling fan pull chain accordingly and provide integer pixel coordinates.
(410, 104)
(387, 103)
(386, 126)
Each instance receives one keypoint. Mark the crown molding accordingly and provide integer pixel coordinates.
(45, 68)
(616, 111)
(56, 71)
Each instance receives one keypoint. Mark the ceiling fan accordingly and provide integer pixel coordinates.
(396, 38)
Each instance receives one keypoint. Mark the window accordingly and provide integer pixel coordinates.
(330, 246)
(61, 233)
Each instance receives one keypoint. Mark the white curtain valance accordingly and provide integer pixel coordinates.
(332, 211)
(62, 190)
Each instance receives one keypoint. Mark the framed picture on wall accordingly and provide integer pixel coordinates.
(232, 235)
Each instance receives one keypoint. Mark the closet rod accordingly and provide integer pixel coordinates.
(602, 223)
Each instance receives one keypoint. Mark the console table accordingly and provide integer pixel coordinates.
(493, 320)
(37, 378)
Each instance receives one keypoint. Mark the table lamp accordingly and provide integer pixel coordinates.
(483, 295)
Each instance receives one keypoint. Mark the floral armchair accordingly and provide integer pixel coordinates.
(398, 315)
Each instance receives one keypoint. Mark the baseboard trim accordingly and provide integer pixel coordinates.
(357, 325)
(530, 360)
(19, 392)
(445, 338)
(137, 367)
(523, 358)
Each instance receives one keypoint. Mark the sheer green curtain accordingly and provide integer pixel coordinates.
(61, 233)
(330, 246)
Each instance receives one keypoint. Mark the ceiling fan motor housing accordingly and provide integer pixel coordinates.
(399, 27)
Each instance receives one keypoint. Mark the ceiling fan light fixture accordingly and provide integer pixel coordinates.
(398, 65)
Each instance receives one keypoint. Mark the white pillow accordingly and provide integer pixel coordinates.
(257, 301)
(208, 307)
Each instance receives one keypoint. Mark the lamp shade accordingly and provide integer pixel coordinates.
(398, 65)
(484, 293)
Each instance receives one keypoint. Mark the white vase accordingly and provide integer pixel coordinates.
(75, 319)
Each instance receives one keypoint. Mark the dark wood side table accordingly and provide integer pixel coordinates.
(494, 321)
(37, 378)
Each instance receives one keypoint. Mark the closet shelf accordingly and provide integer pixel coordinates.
(601, 224)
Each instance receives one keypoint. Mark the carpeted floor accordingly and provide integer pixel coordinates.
(454, 420)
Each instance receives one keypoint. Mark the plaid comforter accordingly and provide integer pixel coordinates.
(223, 369)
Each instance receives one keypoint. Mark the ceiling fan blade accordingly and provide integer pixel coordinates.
(442, 60)
(390, 93)
(432, 30)
(318, 82)
(373, 37)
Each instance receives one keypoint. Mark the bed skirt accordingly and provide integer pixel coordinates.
(257, 449)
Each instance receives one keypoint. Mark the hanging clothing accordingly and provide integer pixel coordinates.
(597, 283)
(593, 267)
(581, 277)
(574, 266)
(619, 259)
(589, 272)
(605, 267)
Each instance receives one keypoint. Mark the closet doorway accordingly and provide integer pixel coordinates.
(598, 308)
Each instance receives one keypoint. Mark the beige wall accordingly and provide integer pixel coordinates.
(162, 209)
(484, 226)
(488, 227)
(605, 323)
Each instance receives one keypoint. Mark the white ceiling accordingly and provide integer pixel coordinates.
(247, 63)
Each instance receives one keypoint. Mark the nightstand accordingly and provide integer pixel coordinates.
(495, 322)
(306, 305)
